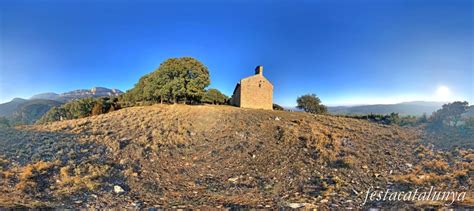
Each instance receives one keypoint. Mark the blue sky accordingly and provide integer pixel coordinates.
(347, 52)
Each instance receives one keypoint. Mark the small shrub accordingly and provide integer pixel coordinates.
(31, 176)
(345, 162)
(97, 109)
(437, 166)
(83, 177)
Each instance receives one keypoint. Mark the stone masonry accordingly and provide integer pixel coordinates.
(254, 92)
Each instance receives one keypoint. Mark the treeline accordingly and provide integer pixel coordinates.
(81, 108)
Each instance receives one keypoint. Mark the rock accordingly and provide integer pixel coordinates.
(277, 118)
(118, 189)
(409, 165)
(324, 201)
(295, 205)
(365, 167)
(233, 179)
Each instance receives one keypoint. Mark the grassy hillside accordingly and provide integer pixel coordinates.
(221, 156)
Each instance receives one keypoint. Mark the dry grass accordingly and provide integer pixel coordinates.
(85, 178)
(30, 175)
(217, 155)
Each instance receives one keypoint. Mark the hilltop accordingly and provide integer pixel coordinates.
(220, 156)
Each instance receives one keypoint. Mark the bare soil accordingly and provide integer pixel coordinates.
(182, 156)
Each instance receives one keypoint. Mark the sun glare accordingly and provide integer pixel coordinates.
(443, 92)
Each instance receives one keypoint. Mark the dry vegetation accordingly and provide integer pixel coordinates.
(198, 156)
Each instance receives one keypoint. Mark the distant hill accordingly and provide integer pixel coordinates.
(416, 108)
(46, 96)
(79, 94)
(32, 110)
(6, 109)
(22, 111)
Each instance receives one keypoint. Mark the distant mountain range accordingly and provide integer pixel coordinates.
(27, 111)
(79, 94)
(415, 108)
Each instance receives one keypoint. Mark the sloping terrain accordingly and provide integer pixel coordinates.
(219, 156)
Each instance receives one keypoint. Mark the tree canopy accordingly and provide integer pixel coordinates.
(214, 96)
(449, 114)
(176, 79)
(311, 103)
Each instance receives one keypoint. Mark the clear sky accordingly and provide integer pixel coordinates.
(346, 52)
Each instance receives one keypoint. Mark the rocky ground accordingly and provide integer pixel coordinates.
(219, 156)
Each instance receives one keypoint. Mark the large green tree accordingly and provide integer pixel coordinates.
(137, 93)
(177, 79)
(449, 114)
(311, 103)
(182, 78)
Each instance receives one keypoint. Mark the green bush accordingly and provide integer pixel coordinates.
(214, 96)
(80, 108)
